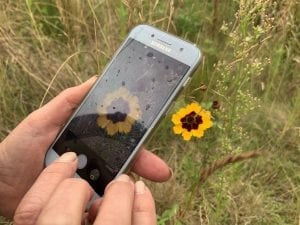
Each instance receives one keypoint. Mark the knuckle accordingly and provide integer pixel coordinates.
(31, 123)
(145, 208)
(77, 183)
(24, 217)
(66, 95)
(60, 168)
(28, 211)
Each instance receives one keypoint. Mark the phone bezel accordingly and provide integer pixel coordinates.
(190, 56)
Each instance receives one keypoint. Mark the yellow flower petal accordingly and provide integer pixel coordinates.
(206, 125)
(134, 100)
(102, 121)
(124, 127)
(121, 126)
(205, 114)
(183, 112)
(112, 129)
(176, 118)
(130, 120)
(177, 129)
(197, 133)
(194, 107)
(108, 99)
(186, 135)
(127, 127)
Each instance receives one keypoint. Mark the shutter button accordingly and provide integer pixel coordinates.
(82, 161)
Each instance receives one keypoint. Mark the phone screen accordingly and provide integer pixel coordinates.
(117, 113)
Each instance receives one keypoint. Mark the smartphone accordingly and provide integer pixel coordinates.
(125, 104)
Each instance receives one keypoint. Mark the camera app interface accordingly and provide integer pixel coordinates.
(119, 110)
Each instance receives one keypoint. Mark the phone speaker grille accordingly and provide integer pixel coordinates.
(167, 43)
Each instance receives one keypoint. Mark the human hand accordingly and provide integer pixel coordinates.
(22, 152)
(57, 198)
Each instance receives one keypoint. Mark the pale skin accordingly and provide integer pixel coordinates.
(32, 194)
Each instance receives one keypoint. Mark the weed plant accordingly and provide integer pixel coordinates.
(249, 79)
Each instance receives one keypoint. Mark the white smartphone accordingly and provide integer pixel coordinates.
(125, 104)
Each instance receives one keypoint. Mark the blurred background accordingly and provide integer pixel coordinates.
(248, 78)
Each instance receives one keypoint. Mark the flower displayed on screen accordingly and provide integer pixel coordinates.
(191, 120)
(118, 112)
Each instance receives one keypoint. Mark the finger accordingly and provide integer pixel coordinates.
(73, 193)
(151, 167)
(39, 194)
(143, 206)
(117, 203)
(66, 102)
(49, 119)
(93, 210)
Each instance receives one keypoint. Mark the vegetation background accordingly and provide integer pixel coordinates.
(249, 80)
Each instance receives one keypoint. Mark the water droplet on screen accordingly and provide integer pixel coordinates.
(150, 54)
(171, 79)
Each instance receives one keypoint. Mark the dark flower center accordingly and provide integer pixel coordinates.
(118, 110)
(191, 121)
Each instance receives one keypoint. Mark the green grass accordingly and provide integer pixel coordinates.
(250, 65)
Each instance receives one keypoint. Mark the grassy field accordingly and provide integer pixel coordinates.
(249, 79)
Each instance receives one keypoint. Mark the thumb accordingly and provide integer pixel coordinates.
(41, 191)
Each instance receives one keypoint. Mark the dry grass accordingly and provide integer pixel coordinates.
(250, 66)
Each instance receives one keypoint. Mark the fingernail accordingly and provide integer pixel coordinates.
(139, 187)
(95, 77)
(171, 173)
(91, 80)
(123, 178)
(67, 157)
